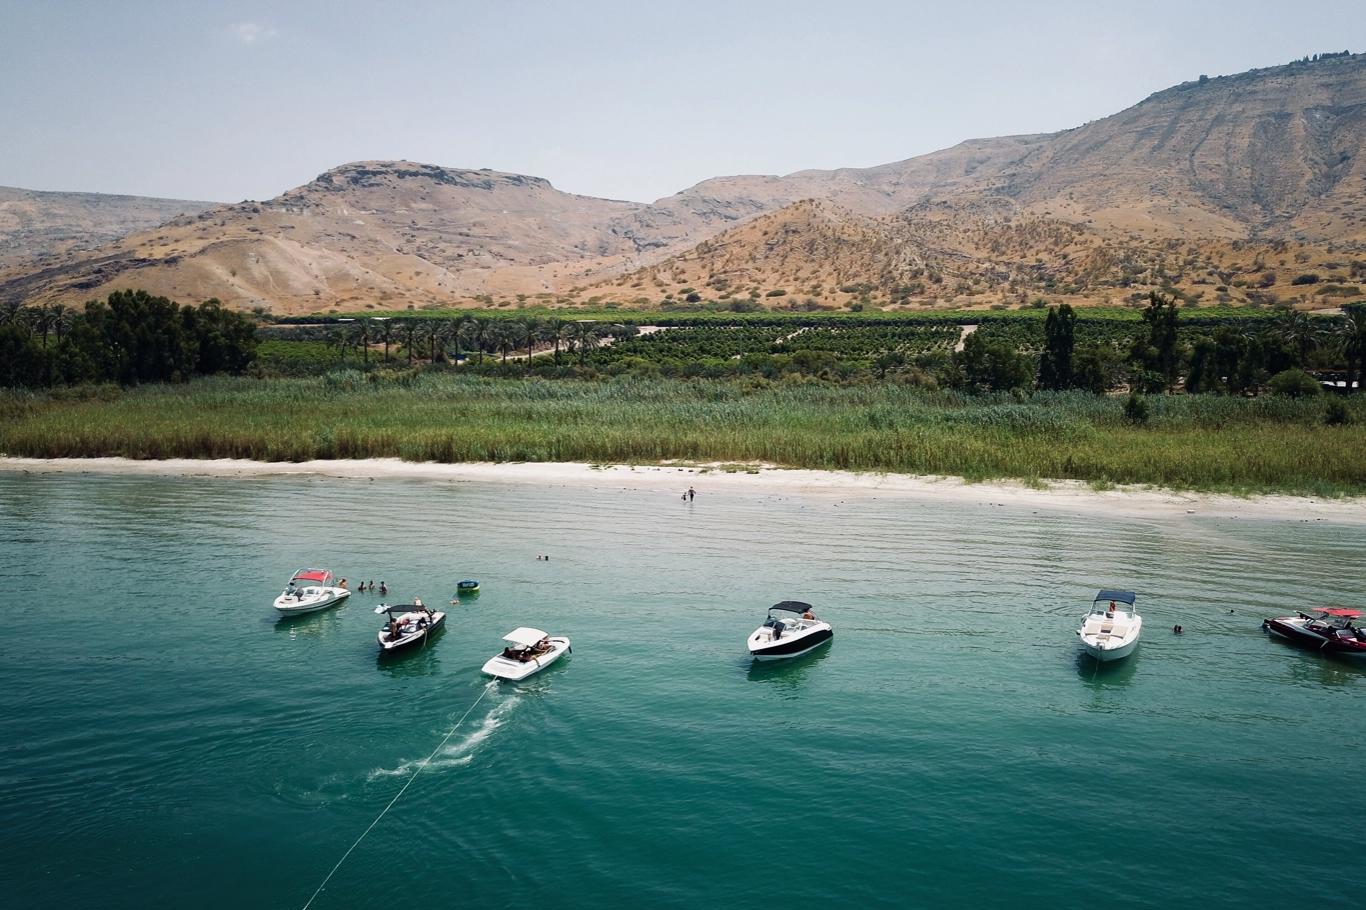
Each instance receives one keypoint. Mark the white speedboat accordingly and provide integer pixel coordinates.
(408, 624)
(528, 651)
(310, 590)
(1110, 631)
(790, 630)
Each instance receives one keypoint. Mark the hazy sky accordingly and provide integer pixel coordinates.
(634, 100)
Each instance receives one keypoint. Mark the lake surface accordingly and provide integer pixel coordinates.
(165, 740)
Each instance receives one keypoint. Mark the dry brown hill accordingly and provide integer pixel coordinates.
(1194, 188)
(813, 254)
(36, 224)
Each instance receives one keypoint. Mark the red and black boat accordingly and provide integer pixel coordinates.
(1332, 631)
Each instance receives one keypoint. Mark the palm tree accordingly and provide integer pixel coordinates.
(40, 321)
(434, 330)
(1298, 331)
(340, 341)
(562, 331)
(585, 338)
(409, 333)
(62, 317)
(360, 337)
(454, 335)
(12, 311)
(531, 329)
(508, 335)
(386, 332)
(471, 331)
(1352, 331)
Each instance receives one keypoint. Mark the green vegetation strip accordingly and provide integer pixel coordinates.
(1225, 443)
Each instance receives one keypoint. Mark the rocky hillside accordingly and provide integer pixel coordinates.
(36, 224)
(813, 255)
(1213, 182)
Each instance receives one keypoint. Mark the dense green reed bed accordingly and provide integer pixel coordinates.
(1191, 442)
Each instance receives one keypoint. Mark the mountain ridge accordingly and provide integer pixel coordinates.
(1266, 157)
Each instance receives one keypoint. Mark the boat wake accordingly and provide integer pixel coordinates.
(460, 752)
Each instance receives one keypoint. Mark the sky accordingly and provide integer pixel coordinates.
(628, 100)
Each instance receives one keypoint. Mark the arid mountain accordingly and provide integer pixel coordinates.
(813, 255)
(36, 224)
(1209, 183)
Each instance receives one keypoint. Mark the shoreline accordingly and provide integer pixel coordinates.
(1067, 495)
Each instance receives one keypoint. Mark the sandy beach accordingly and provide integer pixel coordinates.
(1065, 495)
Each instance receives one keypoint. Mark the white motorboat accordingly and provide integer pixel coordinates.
(1110, 631)
(790, 630)
(408, 624)
(310, 590)
(528, 651)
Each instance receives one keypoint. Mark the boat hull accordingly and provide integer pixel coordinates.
(789, 647)
(288, 606)
(1109, 655)
(515, 670)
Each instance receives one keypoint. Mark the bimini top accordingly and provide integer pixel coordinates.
(1119, 597)
(1347, 612)
(791, 606)
(322, 576)
(524, 636)
(400, 608)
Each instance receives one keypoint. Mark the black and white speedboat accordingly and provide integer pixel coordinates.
(408, 624)
(790, 630)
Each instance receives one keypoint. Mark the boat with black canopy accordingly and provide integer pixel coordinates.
(1110, 631)
(408, 624)
(790, 630)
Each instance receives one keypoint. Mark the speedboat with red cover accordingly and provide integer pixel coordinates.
(310, 590)
(1331, 632)
(790, 630)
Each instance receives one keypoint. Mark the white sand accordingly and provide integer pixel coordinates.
(1064, 495)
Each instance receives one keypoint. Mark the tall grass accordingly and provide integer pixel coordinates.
(1191, 442)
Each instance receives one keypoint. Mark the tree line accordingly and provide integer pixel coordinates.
(130, 338)
(453, 339)
(1229, 358)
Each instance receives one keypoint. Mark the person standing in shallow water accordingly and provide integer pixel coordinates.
(691, 494)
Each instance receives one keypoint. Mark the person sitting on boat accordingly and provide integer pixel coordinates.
(808, 614)
(1110, 613)
(342, 583)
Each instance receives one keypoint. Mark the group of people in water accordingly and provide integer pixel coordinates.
(367, 586)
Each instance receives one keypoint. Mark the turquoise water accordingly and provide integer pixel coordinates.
(165, 740)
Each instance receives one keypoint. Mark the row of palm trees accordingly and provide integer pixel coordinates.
(43, 320)
(445, 338)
